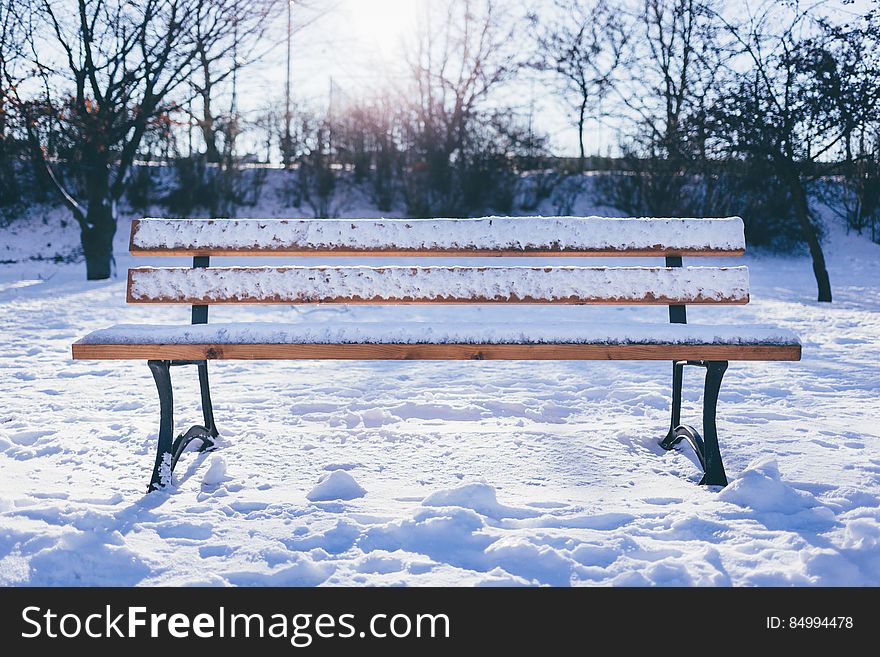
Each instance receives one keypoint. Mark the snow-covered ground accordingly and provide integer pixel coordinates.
(483, 473)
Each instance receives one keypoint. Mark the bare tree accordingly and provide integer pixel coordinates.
(217, 61)
(11, 57)
(859, 195)
(300, 14)
(582, 45)
(665, 91)
(108, 69)
(221, 55)
(794, 107)
(463, 51)
(850, 63)
(365, 140)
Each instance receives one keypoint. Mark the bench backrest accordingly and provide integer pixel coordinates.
(671, 239)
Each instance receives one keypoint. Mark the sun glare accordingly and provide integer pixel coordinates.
(382, 25)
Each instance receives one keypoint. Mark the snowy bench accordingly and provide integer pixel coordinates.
(672, 285)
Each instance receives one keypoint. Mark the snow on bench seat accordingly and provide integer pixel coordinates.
(433, 333)
(657, 285)
(487, 235)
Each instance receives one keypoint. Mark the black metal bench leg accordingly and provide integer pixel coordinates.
(161, 370)
(712, 465)
(705, 446)
(207, 407)
(169, 451)
(677, 379)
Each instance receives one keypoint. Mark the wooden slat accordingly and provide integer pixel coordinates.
(657, 251)
(443, 237)
(439, 285)
(435, 352)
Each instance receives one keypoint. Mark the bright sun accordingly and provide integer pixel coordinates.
(382, 24)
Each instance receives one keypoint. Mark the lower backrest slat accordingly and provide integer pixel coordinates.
(393, 285)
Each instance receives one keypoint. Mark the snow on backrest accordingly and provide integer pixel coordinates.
(572, 285)
(497, 235)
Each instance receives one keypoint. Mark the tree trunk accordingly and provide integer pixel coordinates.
(7, 171)
(97, 239)
(802, 211)
(207, 125)
(209, 134)
(581, 117)
(2, 117)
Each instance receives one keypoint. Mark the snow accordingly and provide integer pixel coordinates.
(761, 488)
(479, 497)
(393, 331)
(485, 233)
(216, 472)
(336, 485)
(543, 284)
(484, 473)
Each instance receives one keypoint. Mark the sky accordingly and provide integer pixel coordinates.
(359, 45)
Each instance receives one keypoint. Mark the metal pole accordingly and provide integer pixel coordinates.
(677, 313)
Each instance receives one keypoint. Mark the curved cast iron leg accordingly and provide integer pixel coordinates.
(714, 468)
(206, 433)
(207, 407)
(677, 431)
(705, 446)
(677, 379)
(161, 370)
(170, 449)
(685, 432)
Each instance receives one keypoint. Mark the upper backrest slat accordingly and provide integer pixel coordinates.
(392, 285)
(496, 236)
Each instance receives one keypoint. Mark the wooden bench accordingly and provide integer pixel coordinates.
(673, 285)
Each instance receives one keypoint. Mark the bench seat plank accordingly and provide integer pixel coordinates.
(395, 341)
(495, 236)
(665, 352)
(397, 285)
